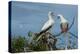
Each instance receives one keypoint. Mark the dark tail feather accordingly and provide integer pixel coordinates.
(44, 31)
(40, 33)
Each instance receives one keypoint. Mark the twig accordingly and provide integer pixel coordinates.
(71, 24)
(56, 35)
(73, 34)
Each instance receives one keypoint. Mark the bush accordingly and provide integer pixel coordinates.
(17, 44)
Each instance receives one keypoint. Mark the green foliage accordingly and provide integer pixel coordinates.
(29, 33)
(41, 45)
(17, 44)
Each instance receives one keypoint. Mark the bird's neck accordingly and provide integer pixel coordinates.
(63, 19)
(50, 17)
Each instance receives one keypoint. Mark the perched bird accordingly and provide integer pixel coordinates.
(63, 23)
(64, 28)
(50, 22)
(48, 25)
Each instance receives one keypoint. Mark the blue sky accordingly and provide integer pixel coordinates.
(27, 16)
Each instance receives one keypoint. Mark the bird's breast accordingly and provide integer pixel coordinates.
(64, 27)
(52, 21)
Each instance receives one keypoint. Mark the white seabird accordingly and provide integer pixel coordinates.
(49, 23)
(63, 23)
(64, 28)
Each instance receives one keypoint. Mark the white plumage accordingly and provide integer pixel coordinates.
(49, 23)
(64, 28)
(63, 23)
(63, 20)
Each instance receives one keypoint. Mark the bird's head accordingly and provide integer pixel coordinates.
(51, 13)
(59, 16)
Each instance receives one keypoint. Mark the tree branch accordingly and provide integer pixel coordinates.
(73, 34)
(71, 24)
